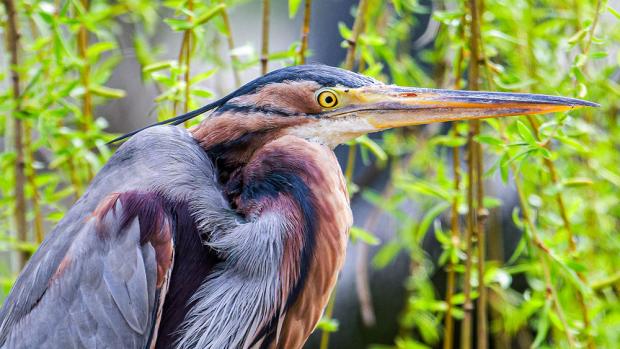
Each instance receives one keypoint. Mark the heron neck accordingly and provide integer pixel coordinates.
(231, 138)
(293, 199)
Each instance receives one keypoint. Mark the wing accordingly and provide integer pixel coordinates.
(99, 271)
(107, 288)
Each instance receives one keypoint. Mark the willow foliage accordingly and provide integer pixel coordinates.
(561, 170)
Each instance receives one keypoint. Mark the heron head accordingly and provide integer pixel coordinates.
(330, 106)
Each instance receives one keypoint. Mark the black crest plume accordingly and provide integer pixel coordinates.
(175, 120)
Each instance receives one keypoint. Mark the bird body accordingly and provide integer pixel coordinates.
(227, 235)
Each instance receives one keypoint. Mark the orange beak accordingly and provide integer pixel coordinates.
(389, 106)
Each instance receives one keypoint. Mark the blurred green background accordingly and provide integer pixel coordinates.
(502, 233)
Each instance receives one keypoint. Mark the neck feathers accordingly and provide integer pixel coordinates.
(269, 261)
(231, 137)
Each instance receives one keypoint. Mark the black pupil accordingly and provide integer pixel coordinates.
(329, 99)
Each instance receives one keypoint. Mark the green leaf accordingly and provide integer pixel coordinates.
(492, 202)
(158, 66)
(525, 133)
(207, 16)
(599, 55)
(542, 327)
(386, 254)
(345, 32)
(577, 182)
(398, 6)
(364, 235)
(577, 36)
(94, 50)
(428, 188)
(374, 148)
(328, 325)
(293, 6)
(178, 24)
(202, 93)
(449, 141)
(429, 217)
(488, 139)
(613, 12)
(107, 92)
(202, 76)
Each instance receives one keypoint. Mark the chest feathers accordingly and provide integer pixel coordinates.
(279, 265)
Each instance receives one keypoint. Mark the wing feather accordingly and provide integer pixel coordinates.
(102, 293)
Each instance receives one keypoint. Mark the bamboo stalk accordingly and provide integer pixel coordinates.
(31, 172)
(455, 232)
(87, 102)
(358, 26)
(231, 46)
(448, 342)
(305, 30)
(31, 175)
(184, 59)
(474, 180)
(264, 57)
(13, 36)
(468, 307)
(188, 82)
(481, 213)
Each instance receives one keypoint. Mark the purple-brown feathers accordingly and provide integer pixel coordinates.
(302, 181)
(153, 215)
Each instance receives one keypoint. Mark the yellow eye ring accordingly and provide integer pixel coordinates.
(327, 99)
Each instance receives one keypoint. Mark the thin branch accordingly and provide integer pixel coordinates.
(12, 41)
(305, 30)
(362, 283)
(597, 13)
(329, 311)
(264, 57)
(569, 230)
(527, 217)
(607, 282)
(550, 289)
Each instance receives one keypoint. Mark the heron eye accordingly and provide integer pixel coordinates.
(327, 99)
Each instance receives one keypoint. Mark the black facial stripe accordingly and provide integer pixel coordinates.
(248, 109)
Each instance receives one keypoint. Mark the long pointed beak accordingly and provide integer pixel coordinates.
(388, 106)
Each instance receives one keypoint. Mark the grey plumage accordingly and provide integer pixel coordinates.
(107, 286)
(244, 292)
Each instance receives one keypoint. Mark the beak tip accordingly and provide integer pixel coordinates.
(579, 103)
